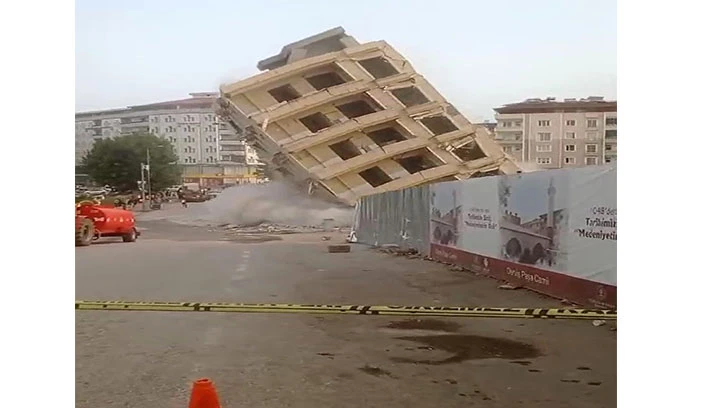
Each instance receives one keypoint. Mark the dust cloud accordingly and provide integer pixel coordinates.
(273, 203)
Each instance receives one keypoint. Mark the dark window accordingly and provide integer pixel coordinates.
(385, 136)
(611, 133)
(316, 122)
(355, 109)
(375, 176)
(611, 121)
(470, 151)
(325, 80)
(439, 125)
(345, 149)
(378, 67)
(284, 93)
(487, 174)
(410, 96)
(414, 164)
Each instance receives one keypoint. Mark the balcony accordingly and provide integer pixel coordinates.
(508, 123)
(134, 129)
(232, 158)
(611, 135)
(306, 140)
(507, 136)
(232, 148)
(229, 138)
(321, 97)
(508, 140)
(135, 120)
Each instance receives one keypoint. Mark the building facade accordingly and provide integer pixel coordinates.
(209, 150)
(350, 120)
(554, 134)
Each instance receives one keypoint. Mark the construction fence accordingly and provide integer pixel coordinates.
(398, 218)
(551, 231)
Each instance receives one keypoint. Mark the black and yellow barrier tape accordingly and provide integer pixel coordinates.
(440, 311)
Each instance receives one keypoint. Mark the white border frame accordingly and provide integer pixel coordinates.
(668, 323)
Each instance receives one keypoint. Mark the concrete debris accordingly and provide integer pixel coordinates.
(338, 249)
(598, 323)
(507, 286)
(398, 251)
(326, 238)
(277, 229)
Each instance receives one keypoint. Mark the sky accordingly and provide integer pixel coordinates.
(478, 54)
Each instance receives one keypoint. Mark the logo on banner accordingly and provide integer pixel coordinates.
(481, 263)
(601, 293)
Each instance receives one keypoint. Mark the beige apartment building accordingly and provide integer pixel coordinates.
(209, 150)
(348, 120)
(555, 134)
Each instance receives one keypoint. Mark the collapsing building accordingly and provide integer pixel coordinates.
(347, 120)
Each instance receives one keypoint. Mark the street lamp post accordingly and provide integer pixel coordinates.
(146, 190)
(148, 169)
(143, 188)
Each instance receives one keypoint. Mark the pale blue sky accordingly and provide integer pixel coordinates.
(478, 54)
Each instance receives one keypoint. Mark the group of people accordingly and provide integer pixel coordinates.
(155, 200)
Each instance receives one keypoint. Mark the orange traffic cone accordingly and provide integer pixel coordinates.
(204, 395)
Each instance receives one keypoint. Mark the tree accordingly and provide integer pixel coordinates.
(117, 161)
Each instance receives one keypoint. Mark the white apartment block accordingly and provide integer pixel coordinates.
(555, 134)
(206, 147)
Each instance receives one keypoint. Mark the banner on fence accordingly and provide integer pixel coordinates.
(551, 231)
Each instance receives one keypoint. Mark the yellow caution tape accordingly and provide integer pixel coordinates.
(441, 311)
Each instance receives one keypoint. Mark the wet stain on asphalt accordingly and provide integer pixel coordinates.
(375, 371)
(252, 239)
(471, 347)
(425, 324)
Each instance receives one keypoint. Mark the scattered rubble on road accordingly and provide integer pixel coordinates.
(265, 228)
(598, 323)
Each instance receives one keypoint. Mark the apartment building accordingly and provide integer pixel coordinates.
(349, 119)
(209, 150)
(555, 134)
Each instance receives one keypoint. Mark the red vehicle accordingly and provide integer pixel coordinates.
(95, 221)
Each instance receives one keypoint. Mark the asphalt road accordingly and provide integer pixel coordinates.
(149, 359)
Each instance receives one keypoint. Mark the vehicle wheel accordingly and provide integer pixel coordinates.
(84, 233)
(130, 237)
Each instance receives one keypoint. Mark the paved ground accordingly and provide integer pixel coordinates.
(149, 359)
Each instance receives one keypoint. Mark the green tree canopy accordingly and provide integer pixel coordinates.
(117, 161)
